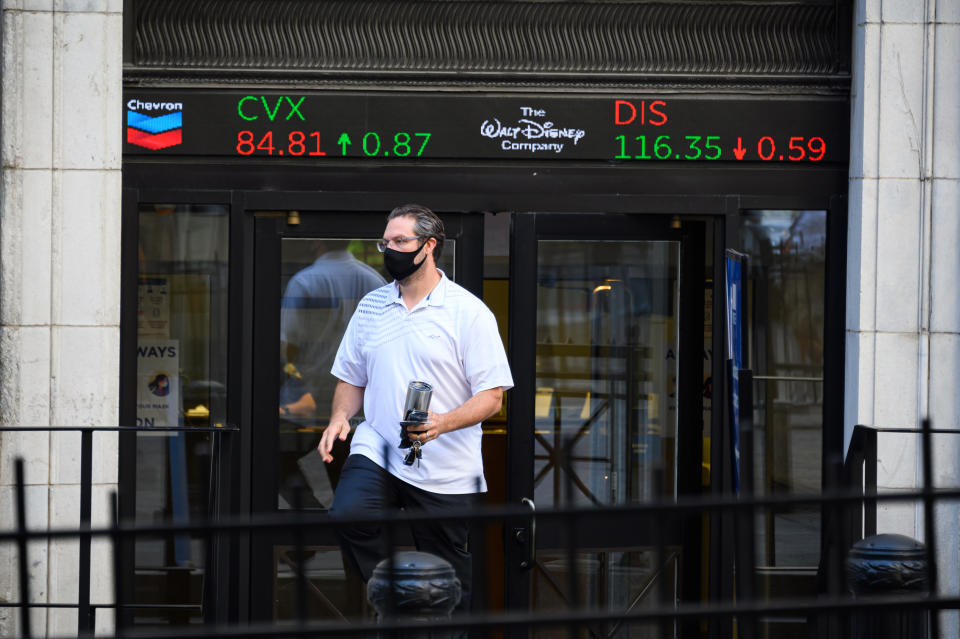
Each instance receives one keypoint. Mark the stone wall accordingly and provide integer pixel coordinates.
(59, 281)
(903, 306)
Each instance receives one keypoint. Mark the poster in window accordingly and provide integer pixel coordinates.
(734, 291)
(158, 382)
(153, 311)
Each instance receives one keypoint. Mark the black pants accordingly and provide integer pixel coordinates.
(365, 489)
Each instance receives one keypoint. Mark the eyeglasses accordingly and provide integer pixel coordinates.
(396, 242)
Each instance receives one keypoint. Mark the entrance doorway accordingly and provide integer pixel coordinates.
(603, 318)
(311, 270)
(607, 315)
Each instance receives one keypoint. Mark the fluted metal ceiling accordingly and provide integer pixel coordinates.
(466, 40)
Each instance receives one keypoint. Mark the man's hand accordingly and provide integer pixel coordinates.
(474, 410)
(347, 401)
(338, 429)
(436, 425)
(303, 407)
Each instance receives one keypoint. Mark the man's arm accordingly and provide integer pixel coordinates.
(347, 402)
(474, 410)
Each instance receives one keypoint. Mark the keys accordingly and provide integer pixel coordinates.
(408, 427)
(413, 455)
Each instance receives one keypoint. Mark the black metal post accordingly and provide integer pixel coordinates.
(743, 518)
(86, 498)
(419, 587)
(929, 532)
(208, 598)
(300, 562)
(888, 565)
(117, 540)
(573, 577)
(93, 617)
(667, 626)
(22, 551)
(870, 483)
(387, 608)
(852, 478)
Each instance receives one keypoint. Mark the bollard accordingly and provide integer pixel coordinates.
(425, 588)
(888, 565)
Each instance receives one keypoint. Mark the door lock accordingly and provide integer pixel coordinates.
(527, 536)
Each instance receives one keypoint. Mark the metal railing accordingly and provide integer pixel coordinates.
(860, 471)
(86, 610)
(858, 501)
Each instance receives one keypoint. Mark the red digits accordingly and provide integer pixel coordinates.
(820, 148)
(773, 148)
(296, 139)
(245, 139)
(266, 143)
(316, 134)
(796, 147)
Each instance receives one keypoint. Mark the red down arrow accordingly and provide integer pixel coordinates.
(740, 151)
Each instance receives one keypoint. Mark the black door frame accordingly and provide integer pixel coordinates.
(689, 191)
(527, 229)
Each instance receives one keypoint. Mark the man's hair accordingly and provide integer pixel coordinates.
(426, 224)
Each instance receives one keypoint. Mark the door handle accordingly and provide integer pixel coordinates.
(527, 536)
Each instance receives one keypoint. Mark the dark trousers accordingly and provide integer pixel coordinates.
(365, 490)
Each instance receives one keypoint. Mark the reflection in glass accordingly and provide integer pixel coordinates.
(330, 595)
(619, 580)
(606, 371)
(323, 281)
(181, 381)
(787, 252)
(606, 418)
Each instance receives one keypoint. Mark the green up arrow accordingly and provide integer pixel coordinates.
(344, 141)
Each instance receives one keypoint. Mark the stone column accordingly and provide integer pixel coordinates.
(903, 304)
(59, 281)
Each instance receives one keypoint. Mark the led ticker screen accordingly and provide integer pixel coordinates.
(396, 128)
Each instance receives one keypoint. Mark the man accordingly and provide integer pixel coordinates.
(421, 327)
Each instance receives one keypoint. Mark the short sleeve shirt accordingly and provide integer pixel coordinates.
(449, 340)
(316, 308)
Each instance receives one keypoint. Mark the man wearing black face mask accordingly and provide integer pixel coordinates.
(422, 327)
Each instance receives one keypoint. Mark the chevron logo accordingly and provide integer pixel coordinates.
(155, 132)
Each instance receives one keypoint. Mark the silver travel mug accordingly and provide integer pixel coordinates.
(414, 413)
(418, 399)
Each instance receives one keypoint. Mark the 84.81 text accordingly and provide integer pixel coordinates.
(298, 143)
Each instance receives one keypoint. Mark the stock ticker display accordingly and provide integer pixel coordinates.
(334, 126)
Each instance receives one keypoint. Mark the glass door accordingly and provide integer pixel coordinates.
(607, 408)
(311, 270)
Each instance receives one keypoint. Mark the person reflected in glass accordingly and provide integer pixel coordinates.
(421, 327)
(316, 307)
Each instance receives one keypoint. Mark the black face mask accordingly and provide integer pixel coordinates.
(400, 264)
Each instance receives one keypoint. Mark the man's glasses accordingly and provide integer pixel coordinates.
(395, 243)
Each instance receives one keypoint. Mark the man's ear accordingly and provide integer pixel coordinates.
(430, 244)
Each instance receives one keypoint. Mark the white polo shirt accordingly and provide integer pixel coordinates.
(450, 341)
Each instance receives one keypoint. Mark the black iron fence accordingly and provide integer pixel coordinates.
(849, 515)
